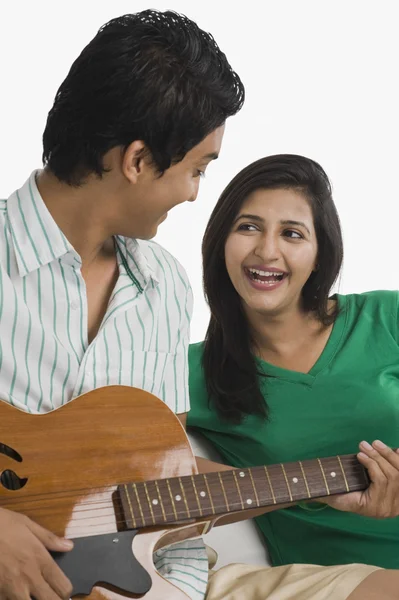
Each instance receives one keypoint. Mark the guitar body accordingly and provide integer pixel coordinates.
(69, 463)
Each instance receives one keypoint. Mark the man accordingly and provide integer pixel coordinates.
(83, 303)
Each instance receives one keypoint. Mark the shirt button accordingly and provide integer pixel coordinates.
(74, 305)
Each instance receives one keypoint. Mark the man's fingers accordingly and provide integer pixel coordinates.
(42, 591)
(48, 539)
(56, 579)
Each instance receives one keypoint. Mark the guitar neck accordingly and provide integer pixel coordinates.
(177, 499)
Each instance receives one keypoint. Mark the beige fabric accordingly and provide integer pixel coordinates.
(290, 582)
(212, 556)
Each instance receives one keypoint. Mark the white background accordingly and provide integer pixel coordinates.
(321, 79)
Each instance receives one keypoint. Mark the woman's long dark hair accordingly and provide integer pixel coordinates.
(230, 367)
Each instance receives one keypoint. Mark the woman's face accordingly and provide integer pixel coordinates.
(271, 250)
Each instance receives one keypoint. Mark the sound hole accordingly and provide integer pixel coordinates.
(11, 481)
(10, 452)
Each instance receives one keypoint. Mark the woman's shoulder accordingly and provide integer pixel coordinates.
(383, 299)
(376, 306)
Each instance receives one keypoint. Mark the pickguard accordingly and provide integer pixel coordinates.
(105, 559)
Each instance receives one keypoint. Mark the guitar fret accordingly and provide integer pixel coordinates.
(343, 473)
(203, 494)
(286, 481)
(324, 476)
(180, 498)
(130, 506)
(365, 476)
(184, 496)
(209, 491)
(305, 479)
(160, 500)
(196, 495)
(138, 502)
(238, 489)
(149, 502)
(171, 498)
(270, 484)
(155, 505)
(253, 485)
(224, 492)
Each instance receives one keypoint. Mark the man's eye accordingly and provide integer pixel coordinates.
(200, 174)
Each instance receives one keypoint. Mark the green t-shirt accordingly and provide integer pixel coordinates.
(351, 394)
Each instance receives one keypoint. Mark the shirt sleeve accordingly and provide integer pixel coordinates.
(397, 316)
(175, 383)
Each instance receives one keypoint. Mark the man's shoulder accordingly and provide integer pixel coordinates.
(163, 263)
(3, 205)
(3, 225)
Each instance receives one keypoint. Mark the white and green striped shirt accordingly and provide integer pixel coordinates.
(45, 357)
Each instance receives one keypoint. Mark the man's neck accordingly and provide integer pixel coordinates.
(78, 212)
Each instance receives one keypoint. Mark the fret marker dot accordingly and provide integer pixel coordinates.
(202, 494)
(178, 497)
(333, 474)
(241, 474)
(295, 479)
(155, 501)
(249, 501)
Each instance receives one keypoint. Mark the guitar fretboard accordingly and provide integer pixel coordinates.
(177, 499)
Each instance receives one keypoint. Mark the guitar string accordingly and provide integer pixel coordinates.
(101, 505)
(356, 468)
(82, 525)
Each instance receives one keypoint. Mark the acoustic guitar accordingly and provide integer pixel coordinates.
(114, 471)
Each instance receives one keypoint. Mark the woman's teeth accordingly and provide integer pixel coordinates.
(265, 276)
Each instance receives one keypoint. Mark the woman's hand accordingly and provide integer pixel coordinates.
(381, 499)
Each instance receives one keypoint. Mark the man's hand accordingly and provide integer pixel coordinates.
(26, 568)
(381, 499)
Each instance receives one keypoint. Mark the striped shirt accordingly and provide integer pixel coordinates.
(45, 357)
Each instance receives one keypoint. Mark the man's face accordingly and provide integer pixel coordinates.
(148, 200)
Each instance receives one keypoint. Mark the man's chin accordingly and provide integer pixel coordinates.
(149, 235)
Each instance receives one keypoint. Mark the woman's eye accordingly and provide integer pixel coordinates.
(247, 227)
(200, 174)
(295, 235)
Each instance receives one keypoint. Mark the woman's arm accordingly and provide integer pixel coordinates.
(208, 466)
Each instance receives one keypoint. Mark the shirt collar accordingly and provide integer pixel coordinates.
(135, 262)
(38, 240)
(36, 237)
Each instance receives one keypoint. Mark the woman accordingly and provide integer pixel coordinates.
(287, 372)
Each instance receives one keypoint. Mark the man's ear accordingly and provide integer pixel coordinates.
(135, 158)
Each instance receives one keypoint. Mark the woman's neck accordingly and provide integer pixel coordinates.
(292, 340)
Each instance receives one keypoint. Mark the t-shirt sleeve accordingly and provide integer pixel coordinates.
(389, 301)
(382, 307)
(396, 315)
